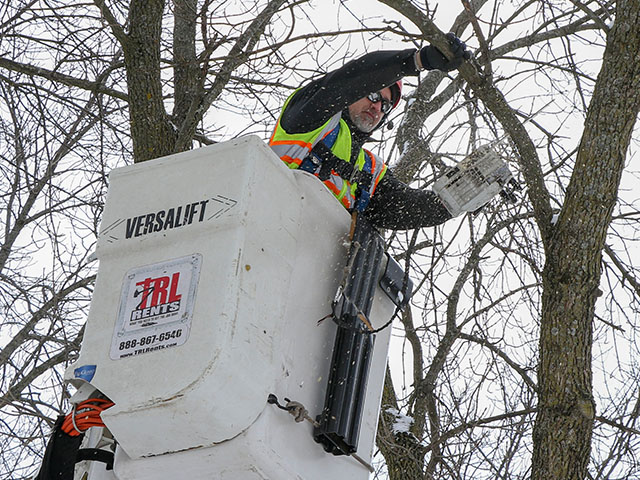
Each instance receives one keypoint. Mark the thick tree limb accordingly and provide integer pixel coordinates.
(239, 54)
(88, 85)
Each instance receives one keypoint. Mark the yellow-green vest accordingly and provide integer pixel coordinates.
(293, 148)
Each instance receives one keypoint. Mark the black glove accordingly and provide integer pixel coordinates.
(433, 59)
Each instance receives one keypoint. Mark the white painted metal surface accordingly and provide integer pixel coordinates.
(215, 267)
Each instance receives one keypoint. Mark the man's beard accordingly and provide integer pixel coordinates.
(364, 123)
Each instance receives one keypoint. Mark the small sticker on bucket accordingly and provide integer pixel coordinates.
(85, 372)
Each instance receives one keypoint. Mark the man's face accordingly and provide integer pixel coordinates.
(365, 114)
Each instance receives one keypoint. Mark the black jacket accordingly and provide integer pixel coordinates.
(394, 205)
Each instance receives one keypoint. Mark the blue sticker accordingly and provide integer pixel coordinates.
(85, 372)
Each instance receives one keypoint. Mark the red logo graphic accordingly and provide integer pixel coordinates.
(159, 296)
(156, 288)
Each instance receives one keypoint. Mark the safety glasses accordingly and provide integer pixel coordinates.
(377, 97)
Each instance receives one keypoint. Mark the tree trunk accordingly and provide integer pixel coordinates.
(403, 452)
(187, 76)
(151, 131)
(562, 432)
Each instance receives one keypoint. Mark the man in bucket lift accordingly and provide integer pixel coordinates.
(324, 125)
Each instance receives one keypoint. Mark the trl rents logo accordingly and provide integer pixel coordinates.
(159, 296)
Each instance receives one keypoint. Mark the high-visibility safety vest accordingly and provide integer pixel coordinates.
(295, 149)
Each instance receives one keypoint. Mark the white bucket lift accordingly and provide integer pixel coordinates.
(215, 267)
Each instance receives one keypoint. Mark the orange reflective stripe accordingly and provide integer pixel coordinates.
(289, 161)
(373, 160)
(344, 199)
(327, 133)
(378, 178)
(300, 143)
